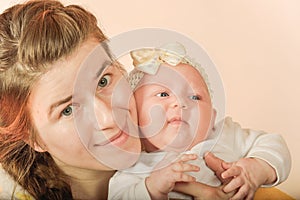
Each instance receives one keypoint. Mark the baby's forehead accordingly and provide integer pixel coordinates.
(182, 76)
(186, 70)
(167, 74)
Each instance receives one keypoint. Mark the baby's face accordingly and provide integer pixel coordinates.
(174, 108)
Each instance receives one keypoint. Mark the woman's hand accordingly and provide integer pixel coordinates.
(202, 191)
(216, 165)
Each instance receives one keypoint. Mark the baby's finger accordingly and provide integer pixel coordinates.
(184, 167)
(250, 195)
(182, 177)
(233, 184)
(244, 193)
(231, 172)
(187, 157)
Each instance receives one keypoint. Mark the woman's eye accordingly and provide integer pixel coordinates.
(104, 81)
(67, 111)
(162, 94)
(195, 97)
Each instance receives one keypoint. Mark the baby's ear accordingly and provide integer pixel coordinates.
(213, 117)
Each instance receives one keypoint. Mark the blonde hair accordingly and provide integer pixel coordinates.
(32, 36)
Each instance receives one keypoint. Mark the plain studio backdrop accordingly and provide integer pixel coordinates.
(254, 44)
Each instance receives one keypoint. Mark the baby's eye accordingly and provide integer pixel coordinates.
(104, 81)
(195, 97)
(162, 94)
(67, 111)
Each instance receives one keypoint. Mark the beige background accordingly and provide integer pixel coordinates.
(254, 44)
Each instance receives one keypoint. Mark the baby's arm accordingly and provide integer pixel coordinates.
(266, 159)
(129, 185)
(162, 181)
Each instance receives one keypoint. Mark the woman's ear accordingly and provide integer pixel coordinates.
(37, 146)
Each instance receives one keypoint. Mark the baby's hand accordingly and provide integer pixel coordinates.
(247, 174)
(162, 181)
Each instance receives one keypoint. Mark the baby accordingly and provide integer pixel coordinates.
(176, 114)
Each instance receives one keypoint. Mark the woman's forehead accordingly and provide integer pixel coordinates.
(66, 75)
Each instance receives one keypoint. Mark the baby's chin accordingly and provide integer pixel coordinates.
(183, 141)
(179, 146)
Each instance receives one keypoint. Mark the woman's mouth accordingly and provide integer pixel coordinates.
(119, 139)
(116, 140)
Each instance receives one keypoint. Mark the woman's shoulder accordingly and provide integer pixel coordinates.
(8, 187)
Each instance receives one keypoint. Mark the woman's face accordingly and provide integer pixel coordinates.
(83, 112)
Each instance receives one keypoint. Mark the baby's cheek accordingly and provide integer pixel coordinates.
(152, 120)
(143, 118)
(151, 114)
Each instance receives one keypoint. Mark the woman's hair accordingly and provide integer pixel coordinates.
(32, 36)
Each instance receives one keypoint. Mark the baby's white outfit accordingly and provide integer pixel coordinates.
(230, 144)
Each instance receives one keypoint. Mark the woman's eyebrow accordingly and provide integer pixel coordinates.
(58, 103)
(102, 68)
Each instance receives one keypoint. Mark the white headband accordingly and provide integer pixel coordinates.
(148, 60)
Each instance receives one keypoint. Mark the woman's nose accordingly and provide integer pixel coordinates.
(104, 114)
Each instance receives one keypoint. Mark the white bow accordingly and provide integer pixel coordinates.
(148, 60)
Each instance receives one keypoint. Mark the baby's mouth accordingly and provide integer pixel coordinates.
(176, 121)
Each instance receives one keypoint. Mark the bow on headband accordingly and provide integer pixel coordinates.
(148, 60)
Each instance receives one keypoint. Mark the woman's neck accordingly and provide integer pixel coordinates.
(87, 184)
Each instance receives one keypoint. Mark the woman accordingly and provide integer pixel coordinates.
(42, 143)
